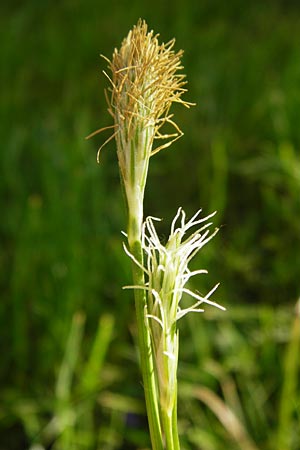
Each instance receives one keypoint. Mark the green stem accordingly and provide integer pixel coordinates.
(174, 424)
(170, 429)
(144, 338)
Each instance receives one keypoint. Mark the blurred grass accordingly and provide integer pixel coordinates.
(62, 214)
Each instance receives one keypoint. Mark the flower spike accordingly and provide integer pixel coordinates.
(167, 273)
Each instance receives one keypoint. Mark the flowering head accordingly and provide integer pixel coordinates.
(144, 83)
(167, 273)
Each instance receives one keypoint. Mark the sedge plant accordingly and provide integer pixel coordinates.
(145, 80)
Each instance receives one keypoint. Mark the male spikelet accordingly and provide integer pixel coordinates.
(144, 83)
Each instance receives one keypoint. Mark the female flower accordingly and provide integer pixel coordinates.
(167, 274)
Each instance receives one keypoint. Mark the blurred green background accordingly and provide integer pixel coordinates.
(69, 376)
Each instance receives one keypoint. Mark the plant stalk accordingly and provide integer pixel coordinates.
(144, 338)
(169, 420)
